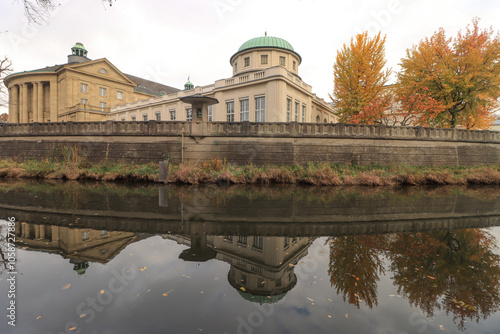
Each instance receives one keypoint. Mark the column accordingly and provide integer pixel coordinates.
(40, 101)
(53, 101)
(14, 104)
(23, 112)
(34, 102)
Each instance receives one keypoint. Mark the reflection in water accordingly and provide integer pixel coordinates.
(432, 243)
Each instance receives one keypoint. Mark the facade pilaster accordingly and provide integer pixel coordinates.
(53, 100)
(14, 104)
(40, 101)
(34, 102)
(23, 114)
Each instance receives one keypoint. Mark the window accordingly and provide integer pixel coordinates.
(263, 59)
(236, 67)
(133, 118)
(247, 61)
(303, 113)
(84, 101)
(85, 235)
(158, 116)
(297, 107)
(103, 71)
(210, 116)
(230, 111)
(172, 115)
(102, 91)
(244, 110)
(119, 95)
(189, 114)
(258, 242)
(294, 65)
(242, 240)
(288, 109)
(84, 88)
(317, 119)
(260, 109)
(102, 105)
(144, 117)
(282, 61)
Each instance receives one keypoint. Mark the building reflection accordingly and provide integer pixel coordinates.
(262, 268)
(79, 245)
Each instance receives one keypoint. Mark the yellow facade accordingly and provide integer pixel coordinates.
(81, 90)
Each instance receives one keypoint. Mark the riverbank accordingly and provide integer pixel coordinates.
(217, 171)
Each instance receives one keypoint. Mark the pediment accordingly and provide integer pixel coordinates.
(102, 68)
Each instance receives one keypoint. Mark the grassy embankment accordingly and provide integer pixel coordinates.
(73, 167)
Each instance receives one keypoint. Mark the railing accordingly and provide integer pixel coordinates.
(84, 106)
(247, 129)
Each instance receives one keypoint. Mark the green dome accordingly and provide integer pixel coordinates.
(79, 45)
(266, 42)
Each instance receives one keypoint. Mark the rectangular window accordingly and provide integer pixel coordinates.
(294, 65)
(102, 105)
(144, 117)
(303, 113)
(236, 67)
(244, 110)
(230, 111)
(172, 115)
(263, 59)
(119, 95)
(297, 107)
(242, 240)
(102, 91)
(84, 101)
(210, 116)
(260, 109)
(158, 116)
(258, 242)
(247, 61)
(133, 118)
(84, 88)
(288, 109)
(189, 114)
(282, 60)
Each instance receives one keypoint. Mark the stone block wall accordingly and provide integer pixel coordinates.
(259, 143)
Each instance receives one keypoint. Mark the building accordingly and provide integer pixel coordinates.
(80, 90)
(265, 87)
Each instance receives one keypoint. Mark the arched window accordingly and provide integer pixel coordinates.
(317, 119)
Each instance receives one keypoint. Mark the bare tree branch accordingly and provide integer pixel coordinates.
(5, 69)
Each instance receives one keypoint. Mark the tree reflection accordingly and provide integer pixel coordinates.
(355, 266)
(453, 271)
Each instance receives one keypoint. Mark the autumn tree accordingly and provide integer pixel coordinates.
(359, 79)
(4, 118)
(447, 82)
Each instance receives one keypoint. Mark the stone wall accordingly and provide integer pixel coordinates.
(259, 143)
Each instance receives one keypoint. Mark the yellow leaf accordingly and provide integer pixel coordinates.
(102, 292)
(243, 289)
(346, 315)
(72, 328)
(83, 315)
(143, 268)
(38, 317)
(66, 287)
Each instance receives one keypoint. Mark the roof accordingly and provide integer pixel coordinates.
(267, 42)
(151, 87)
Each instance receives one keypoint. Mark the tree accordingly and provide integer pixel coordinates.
(359, 79)
(37, 11)
(4, 118)
(458, 80)
(5, 69)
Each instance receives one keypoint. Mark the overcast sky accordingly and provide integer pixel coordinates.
(167, 41)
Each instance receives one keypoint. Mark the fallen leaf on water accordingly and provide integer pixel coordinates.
(313, 303)
(357, 278)
(72, 328)
(329, 316)
(102, 292)
(431, 277)
(83, 315)
(38, 317)
(66, 287)
(166, 293)
(442, 327)
(310, 299)
(347, 315)
(330, 299)
(143, 268)
(24, 248)
(201, 292)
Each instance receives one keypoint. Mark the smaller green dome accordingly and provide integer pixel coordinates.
(79, 45)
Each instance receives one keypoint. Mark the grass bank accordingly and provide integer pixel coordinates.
(217, 171)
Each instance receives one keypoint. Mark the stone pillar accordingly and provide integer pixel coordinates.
(42, 231)
(34, 101)
(40, 101)
(53, 101)
(37, 231)
(14, 104)
(23, 103)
